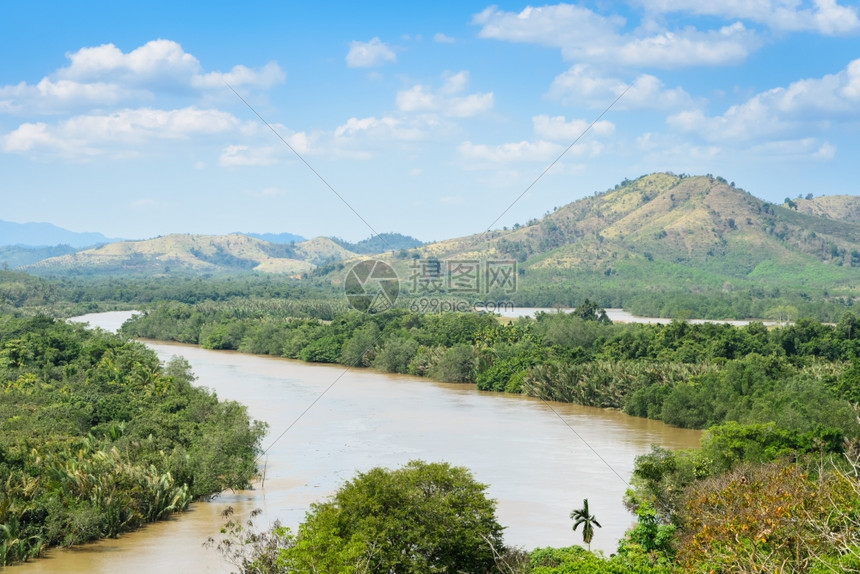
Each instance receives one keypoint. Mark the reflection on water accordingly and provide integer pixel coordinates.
(537, 468)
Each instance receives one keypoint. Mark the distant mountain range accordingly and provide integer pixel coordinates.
(659, 233)
(47, 235)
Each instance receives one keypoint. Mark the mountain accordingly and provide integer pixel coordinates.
(645, 240)
(277, 237)
(180, 253)
(841, 207)
(46, 234)
(665, 233)
(380, 243)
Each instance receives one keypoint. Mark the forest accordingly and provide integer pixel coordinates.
(98, 438)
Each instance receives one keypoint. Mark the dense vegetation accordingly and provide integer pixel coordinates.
(23, 294)
(799, 376)
(96, 437)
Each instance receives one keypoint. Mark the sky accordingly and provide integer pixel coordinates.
(436, 120)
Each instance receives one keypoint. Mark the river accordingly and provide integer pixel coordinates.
(622, 316)
(533, 455)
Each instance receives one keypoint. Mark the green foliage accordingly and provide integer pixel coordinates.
(396, 354)
(96, 438)
(358, 349)
(424, 517)
(582, 517)
(457, 365)
(577, 560)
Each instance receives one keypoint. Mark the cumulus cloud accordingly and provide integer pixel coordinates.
(582, 84)
(586, 36)
(49, 96)
(156, 61)
(369, 54)
(105, 76)
(543, 151)
(384, 128)
(558, 129)
(266, 77)
(98, 133)
(803, 148)
(804, 106)
(552, 136)
(447, 99)
(826, 17)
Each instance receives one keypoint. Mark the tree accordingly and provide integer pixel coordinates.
(424, 517)
(587, 520)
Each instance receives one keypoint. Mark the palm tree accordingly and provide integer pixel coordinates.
(588, 521)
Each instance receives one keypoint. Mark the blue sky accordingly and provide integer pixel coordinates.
(428, 120)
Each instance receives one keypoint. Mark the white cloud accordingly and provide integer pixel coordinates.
(98, 134)
(245, 156)
(581, 84)
(552, 136)
(49, 95)
(386, 128)
(826, 17)
(105, 76)
(804, 106)
(803, 148)
(541, 150)
(586, 36)
(445, 100)
(266, 77)
(156, 61)
(558, 129)
(441, 38)
(369, 54)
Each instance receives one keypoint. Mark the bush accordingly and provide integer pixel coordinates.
(424, 517)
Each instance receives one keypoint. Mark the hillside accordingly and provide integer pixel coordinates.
(840, 207)
(182, 253)
(664, 233)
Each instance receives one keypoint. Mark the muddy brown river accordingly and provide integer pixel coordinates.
(533, 455)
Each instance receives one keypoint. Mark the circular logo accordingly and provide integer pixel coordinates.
(371, 286)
